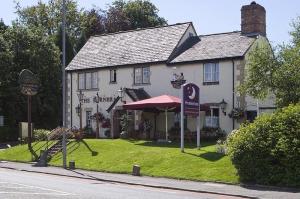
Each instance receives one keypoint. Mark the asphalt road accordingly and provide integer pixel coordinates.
(26, 185)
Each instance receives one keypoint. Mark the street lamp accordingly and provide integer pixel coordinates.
(121, 94)
(97, 100)
(223, 105)
(78, 110)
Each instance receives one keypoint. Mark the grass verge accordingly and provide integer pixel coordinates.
(155, 159)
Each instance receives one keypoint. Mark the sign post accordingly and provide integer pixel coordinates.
(29, 87)
(190, 105)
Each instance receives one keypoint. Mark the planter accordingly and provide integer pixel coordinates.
(102, 132)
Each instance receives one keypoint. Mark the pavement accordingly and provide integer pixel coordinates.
(246, 191)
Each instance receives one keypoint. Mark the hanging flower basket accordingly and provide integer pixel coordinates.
(177, 83)
(98, 116)
(237, 113)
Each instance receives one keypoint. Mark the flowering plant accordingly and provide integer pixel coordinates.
(106, 123)
(236, 113)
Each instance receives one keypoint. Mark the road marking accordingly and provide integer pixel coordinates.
(33, 193)
(36, 187)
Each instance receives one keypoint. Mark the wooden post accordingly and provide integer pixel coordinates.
(29, 120)
(97, 122)
(80, 124)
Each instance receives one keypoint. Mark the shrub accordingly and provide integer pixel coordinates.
(267, 151)
(40, 134)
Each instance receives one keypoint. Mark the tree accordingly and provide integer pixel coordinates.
(142, 14)
(117, 20)
(275, 73)
(70, 52)
(3, 27)
(24, 47)
(130, 15)
(120, 16)
(94, 22)
(47, 17)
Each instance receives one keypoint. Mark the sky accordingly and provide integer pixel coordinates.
(208, 16)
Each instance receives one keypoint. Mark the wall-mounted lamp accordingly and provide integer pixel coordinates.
(80, 96)
(121, 94)
(77, 108)
(223, 105)
(97, 98)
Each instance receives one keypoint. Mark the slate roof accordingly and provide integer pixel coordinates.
(130, 47)
(217, 46)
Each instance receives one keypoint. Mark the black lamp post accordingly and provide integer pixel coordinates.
(223, 105)
(97, 100)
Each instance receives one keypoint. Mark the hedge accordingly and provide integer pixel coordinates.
(8, 134)
(267, 151)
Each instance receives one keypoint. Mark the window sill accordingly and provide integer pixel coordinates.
(92, 89)
(210, 83)
(112, 82)
(141, 84)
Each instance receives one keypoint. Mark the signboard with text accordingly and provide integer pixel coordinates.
(191, 101)
(28, 82)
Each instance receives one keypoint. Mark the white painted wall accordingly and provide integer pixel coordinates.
(160, 78)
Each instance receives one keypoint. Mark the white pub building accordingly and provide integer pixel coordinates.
(123, 67)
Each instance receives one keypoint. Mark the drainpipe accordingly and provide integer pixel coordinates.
(71, 95)
(233, 91)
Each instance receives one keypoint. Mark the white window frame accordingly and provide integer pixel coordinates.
(211, 72)
(211, 120)
(81, 81)
(140, 75)
(88, 118)
(113, 76)
(88, 81)
(94, 80)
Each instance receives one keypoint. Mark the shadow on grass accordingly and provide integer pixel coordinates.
(173, 144)
(72, 146)
(208, 155)
(212, 156)
(93, 153)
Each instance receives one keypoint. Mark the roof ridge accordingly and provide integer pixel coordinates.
(221, 33)
(139, 29)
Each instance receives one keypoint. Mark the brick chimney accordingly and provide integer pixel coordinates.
(253, 18)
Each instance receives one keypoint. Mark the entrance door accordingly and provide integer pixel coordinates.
(116, 128)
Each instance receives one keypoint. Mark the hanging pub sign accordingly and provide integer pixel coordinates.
(28, 82)
(191, 99)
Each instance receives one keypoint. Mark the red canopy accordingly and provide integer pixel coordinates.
(163, 101)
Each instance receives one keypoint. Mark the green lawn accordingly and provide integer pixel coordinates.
(155, 159)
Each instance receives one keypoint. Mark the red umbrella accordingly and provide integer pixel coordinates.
(165, 102)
